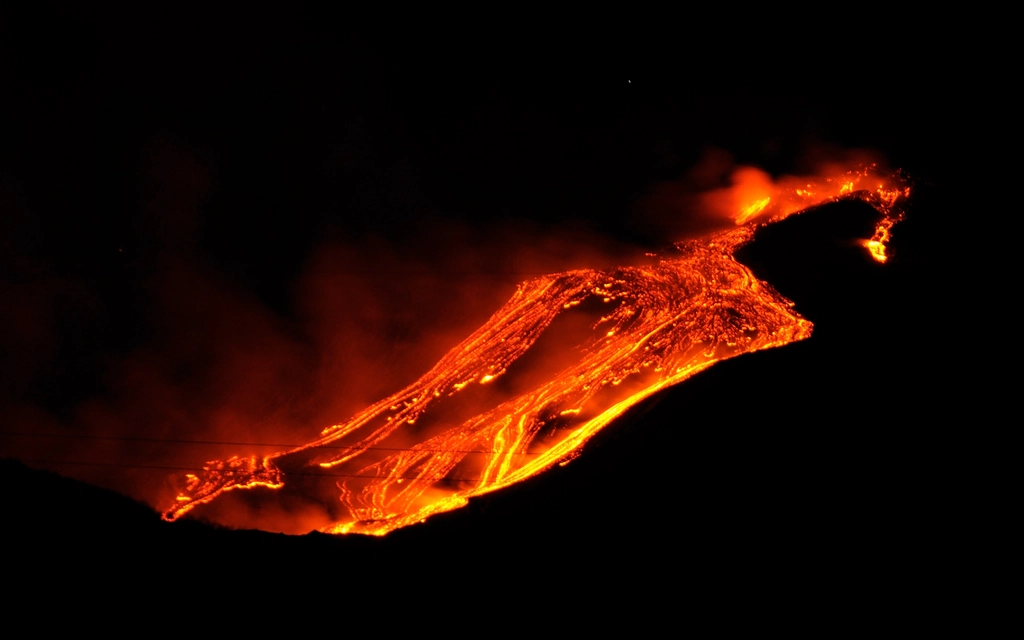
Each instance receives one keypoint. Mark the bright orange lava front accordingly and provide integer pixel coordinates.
(664, 323)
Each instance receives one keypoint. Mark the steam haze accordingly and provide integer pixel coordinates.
(248, 244)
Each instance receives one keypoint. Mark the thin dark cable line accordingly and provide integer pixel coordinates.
(172, 468)
(361, 272)
(241, 444)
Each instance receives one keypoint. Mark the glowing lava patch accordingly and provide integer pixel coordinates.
(662, 324)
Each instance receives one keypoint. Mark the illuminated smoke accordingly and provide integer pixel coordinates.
(575, 341)
(647, 327)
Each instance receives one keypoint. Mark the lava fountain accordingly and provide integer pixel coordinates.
(417, 452)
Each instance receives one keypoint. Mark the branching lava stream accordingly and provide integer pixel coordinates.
(661, 324)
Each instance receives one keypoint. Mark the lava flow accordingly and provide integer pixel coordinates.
(402, 459)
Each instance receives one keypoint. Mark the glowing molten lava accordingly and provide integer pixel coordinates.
(397, 463)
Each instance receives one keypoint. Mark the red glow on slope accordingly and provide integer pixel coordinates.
(663, 324)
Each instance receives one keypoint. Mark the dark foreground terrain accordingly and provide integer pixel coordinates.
(239, 155)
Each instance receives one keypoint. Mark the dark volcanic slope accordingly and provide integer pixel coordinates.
(839, 426)
(245, 146)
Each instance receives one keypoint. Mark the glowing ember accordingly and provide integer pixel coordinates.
(658, 325)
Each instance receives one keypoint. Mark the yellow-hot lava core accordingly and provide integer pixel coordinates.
(663, 323)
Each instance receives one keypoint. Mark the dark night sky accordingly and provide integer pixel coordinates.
(231, 151)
